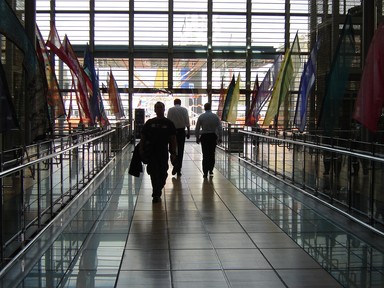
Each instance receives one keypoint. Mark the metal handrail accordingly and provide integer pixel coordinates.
(52, 186)
(325, 170)
(327, 147)
(54, 155)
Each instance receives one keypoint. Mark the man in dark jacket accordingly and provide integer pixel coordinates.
(158, 136)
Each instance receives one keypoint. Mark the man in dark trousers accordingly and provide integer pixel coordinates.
(180, 117)
(210, 135)
(158, 138)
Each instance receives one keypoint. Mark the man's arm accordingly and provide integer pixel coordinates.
(186, 122)
(219, 131)
(197, 131)
(144, 148)
(173, 147)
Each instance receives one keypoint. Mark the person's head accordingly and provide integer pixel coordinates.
(159, 109)
(177, 101)
(207, 106)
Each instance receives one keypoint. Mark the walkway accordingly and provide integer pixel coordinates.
(239, 228)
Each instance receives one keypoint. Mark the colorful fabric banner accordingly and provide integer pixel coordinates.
(370, 100)
(53, 94)
(337, 79)
(92, 80)
(266, 86)
(221, 99)
(232, 111)
(307, 82)
(283, 83)
(250, 119)
(228, 99)
(104, 121)
(114, 97)
(65, 52)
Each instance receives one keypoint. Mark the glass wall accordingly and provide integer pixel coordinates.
(188, 50)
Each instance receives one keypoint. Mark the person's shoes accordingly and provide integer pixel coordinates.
(205, 175)
(211, 172)
(178, 174)
(156, 199)
(174, 171)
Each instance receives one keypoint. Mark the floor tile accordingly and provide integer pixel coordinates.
(190, 241)
(199, 279)
(242, 259)
(308, 278)
(141, 279)
(273, 240)
(147, 241)
(231, 240)
(291, 258)
(194, 259)
(254, 279)
(145, 260)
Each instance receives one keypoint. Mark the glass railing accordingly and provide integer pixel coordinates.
(343, 173)
(38, 181)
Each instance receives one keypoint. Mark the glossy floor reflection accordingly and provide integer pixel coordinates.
(238, 228)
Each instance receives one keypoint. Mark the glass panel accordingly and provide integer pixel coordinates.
(300, 25)
(268, 31)
(111, 29)
(229, 5)
(299, 6)
(73, 5)
(197, 5)
(190, 29)
(151, 73)
(44, 25)
(190, 73)
(147, 102)
(229, 30)
(43, 5)
(151, 5)
(76, 26)
(151, 29)
(112, 5)
(263, 6)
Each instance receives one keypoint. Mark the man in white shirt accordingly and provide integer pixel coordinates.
(179, 116)
(210, 134)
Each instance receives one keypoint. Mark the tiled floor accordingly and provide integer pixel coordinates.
(205, 233)
(239, 228)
